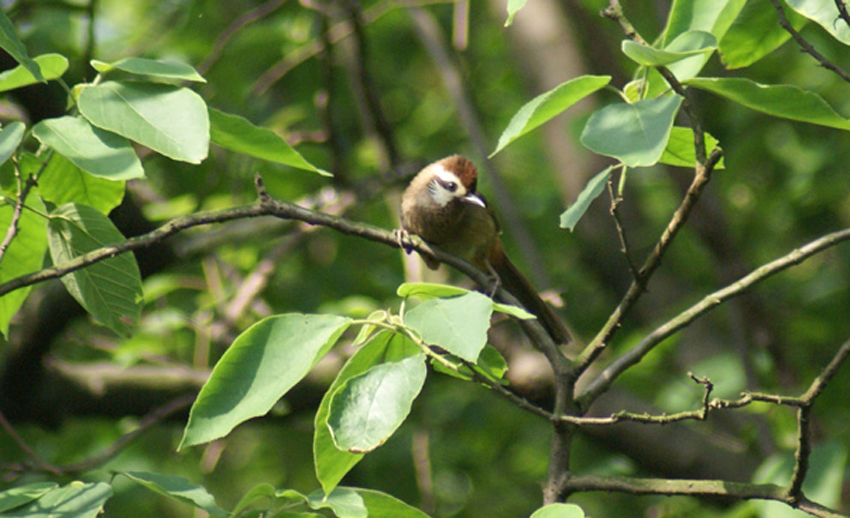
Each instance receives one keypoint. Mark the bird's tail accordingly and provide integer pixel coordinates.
(515, 282)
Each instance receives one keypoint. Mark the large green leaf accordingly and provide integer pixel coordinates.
(24, 255)
(755, 34)
(262, 365)
(52, 66)
(10, 139)
(457, 324)
(110, 290)
(238, 134)
(591, 191)
(95, 151)
(178, 488)
(170, 120)
(150, 69)
(559, 511)
(785, 101)
(636, 133)
(332, 463)
(368, 408)
(10, 42)
(686, 45)
(76, 500)
(547, 105)
(18, 496)
(62, 182)
(714, 16)
(382, 505)
(824, 13)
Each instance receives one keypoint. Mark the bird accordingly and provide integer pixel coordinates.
(443, 207)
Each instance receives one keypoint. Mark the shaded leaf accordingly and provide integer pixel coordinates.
(382, 505)
(591, 191)
(260, 367)
(170, 120)
(687, 44)
(784, 101)
(52, 66)
(258, 492)
(239, 134)
(10, 139)
(178, 488)
(636, 134)
(62, 182)
(458, 324)
(547, 105)
(714, 16)
(368, 408)
(10, 42)
(150, 68)
(95, 151)
(24, 255)
(755, 34)
(110, 290)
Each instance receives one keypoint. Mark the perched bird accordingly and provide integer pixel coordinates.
(441, 206)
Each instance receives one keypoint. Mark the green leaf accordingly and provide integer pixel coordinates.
(178, 488)
(591, 191)
(18, 496)
(513, 7)
(428, 290)
(344, 502)
(258, 492)
(170, 120)
(547, 105)
(636, 134)
(95, 151)
(784, 101)
(458, 324)
(24, 255)
(52, 66)
(151, 68)
(513, 311)
(714, 16)
(62, 182)
(686, 45)
(680, 150)
(755, 34)
(382, 505)
(368, 408)
(824, 13)
(10, 139)
(110, 290)
(10, 42)
(238, 134)
(77, 500)
(559, 511)
(260, 367)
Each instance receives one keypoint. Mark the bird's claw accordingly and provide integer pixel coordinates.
(402, 237)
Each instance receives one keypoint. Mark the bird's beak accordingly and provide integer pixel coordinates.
(474, 199)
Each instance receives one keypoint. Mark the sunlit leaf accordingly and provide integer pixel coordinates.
(77, 500)
(238, 134)
(260, 367)
(151, 68)
(10, 42)
(169, 119)
(784, 101)
(62, 182)
(457, 324)
(547, 105)
(513, 7)
(559, 511)
(18, 496)
(680, 149)
(52, 66)
(687, 44)
(824, 13)
(368, 408)
(10, 139)
(755, 34)
(344, 502)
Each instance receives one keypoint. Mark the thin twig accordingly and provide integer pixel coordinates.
(805, 45)
(621, 232)
(842, 11)
(22, 444)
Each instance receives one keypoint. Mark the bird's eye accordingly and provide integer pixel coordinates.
(451, 186)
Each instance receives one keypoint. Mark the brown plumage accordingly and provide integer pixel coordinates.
(441, 205)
